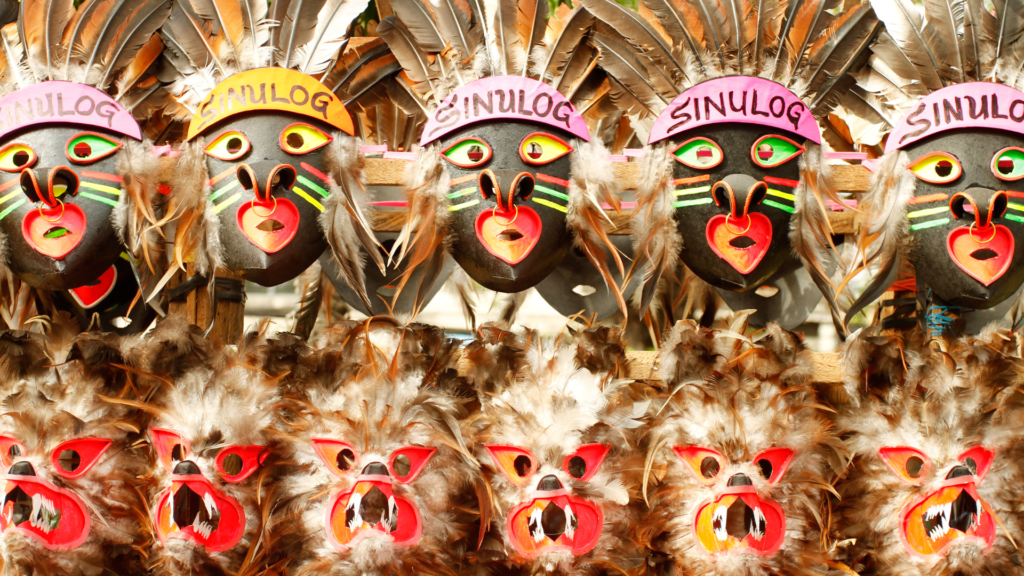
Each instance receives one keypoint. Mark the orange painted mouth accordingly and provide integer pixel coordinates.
(371, 509)
(949, 515)
(193, 510)
(510, 236)
(90, 295)
(54, 232)
(553, 523)
(269, 226)
(740, 524)
(984, 254)
(741, 242)
(55, 517)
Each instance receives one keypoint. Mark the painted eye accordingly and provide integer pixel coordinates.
(88, 147)
(699, 153)
(586, 460)
(773, 463)
(910, 464)
(229, 146)
(468, 153)
(541, 148)
(10, 450)
(340, 457)
(936, 168)
(774, 150)
(705, 464)
(303, 139)
(1007, 164)
(978, 460)
(16, 157)
(238, 462)
(73, 458)
(170, 447)
(515, 463)
(406, 463)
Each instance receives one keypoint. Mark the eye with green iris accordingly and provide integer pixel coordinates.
(88, 147)
(774, 150)
(699, 153)
(468, 153)
(1008, 164)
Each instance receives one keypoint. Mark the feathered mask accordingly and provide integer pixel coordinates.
(508, 179)
(739, 455)
(74, 460)
(556, 425)
(937, 448)
(944, 84)
(735, 181)
(385, 482)
(277, 177)
(77, 185)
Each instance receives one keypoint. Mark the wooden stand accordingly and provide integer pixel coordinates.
(229, 317)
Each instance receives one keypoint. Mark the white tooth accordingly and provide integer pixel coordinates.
(537, 531)
(569, 517)
(759, 524)
(211, 506)
(353, 505)
(721, 515)
(392, 512)
(36, 503)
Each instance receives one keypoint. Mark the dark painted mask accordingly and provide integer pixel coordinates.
(508, 142)
(111, 297)
(267, 136)
(58, 182)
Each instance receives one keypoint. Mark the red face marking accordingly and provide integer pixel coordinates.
(510, 236)
(741, 242)
(91, 295)
(983, 253)
(54, 232)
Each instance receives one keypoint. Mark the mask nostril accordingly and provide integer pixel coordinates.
(524, 188)
(486, 185)
(283, 178)
(758, 193)
(28, 187)
(63, 182)
(244, 175)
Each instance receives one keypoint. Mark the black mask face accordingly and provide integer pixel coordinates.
(509, 197)
(111, 297)
(269, 184)
(58, 188)
(967, 216)
(734, 200)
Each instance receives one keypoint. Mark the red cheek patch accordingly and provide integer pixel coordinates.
(90, 295)
(741, 242)
(270, 228)
(984, 254)
(509, 236)
(54, 232)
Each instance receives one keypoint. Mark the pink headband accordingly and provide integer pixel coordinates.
(969, 105)
(504, 97)
(745, 99)
(58, 102)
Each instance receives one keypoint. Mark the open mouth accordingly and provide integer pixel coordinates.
(269, 226)
(951, 514)
(510, 236)
(193, 510)
(372, 509)
(53, 516)
(557, 523)
(54, 232)
(741, 523)
(742, 242)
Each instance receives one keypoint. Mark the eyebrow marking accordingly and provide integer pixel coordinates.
(552, 180)
(461, 180)
(930, 224)
(782, 194)
(928, 198)
(231, 200)
(692, 180)
(458, 207)
(317, 173)
(550, 204)
(99, 187)
(221, 176)
(688, 191)
(102, 176)
(220, 191)
(462, 192)
(92, 196)
(305, 196)
(927, 212)
(310, 184)
(551, 192)
(781, 181)
(697, 202)
(12, 208)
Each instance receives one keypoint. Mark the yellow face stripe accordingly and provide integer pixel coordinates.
(305, 196)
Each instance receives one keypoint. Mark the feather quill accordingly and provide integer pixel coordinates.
(840, 49)
(914, 36)
(14, 54)
(332, 25)
(44, 24)
(455, 20)
(530, 25)
(135, 32)
(713, 17)
(297, 21)
(639, 33)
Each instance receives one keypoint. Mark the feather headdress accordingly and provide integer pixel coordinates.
(557, 428)
(960, 53)
(385, 479)
(451, 50)
(936, 444)
(739, 456)
(654, 56)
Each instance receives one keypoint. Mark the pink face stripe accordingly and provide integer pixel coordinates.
(315, 172)
(552, 180)
(101, 176)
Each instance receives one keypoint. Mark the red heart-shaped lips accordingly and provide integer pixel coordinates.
(268, 226)
(742, 242)
(54, 232)
(92, 294)
(984, 254)
(509, 235)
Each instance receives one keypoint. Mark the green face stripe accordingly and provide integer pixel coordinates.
(551, 192)
(931, 223)
(124, 256)
(781, 194)
(231, 200)
(100, 188)
(697, 190)
(312, 186)
(927, 212)
(1014, 217)
(9, 196)
(550, 204)
(1013, 205)
(775, 204)
(92, 196)
(697, 202)
(458, 207)
(12, 208)
(220, 191)
(305, 196)
(461, 192)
